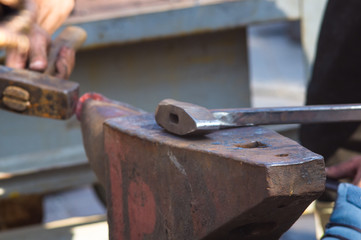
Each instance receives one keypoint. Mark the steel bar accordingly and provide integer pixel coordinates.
(185, 118)
(289, 115)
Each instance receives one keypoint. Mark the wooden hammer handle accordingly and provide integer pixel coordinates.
(71, 37)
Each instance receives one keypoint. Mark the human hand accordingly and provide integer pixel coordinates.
(349, 169)
(345, 221)
(14, 27)
(50, 14)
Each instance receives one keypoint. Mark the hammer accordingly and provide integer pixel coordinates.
(39, 94)
(183, 118)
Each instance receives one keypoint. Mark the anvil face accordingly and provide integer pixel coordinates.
(244, 183)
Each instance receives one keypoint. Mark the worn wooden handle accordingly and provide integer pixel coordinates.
(71, 37)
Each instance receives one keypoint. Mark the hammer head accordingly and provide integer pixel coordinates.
(183, 118)
(32, 93)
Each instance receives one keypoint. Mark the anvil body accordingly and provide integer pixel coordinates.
(244, 183)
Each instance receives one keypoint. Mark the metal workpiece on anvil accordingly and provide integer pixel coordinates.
(184, 118)
(242, 183)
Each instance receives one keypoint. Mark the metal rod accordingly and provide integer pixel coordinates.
(289, 115)
(332, 184)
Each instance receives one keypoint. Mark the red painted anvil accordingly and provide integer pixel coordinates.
(245, 183)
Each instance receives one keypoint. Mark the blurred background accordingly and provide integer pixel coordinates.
(219, 54)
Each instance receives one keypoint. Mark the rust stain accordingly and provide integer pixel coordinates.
(116, 188)
(141, 209)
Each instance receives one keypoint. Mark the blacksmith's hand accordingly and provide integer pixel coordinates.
(350, 169)
(49, 15)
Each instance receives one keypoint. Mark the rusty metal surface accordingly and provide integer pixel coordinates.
(245, 183)
(94, 110)
(49, 97)
(184, 118)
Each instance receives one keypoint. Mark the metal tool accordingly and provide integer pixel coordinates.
(332, 184)
(183, 118)
(39, 94)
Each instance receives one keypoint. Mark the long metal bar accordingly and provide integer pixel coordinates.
(289, 115)
(186, 118)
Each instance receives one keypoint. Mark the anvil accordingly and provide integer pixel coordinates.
(243, 183)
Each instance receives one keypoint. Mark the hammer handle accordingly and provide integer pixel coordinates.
(332, 184)
(71, 37)
(289, 115)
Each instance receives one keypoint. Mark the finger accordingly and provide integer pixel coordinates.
(52, 13)
(12, 39)
(39, 42)
(345, 169)
(23, 19)
(357, 180)
(17, 47)
(65, 62)
(10, 3)
(15, 58)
